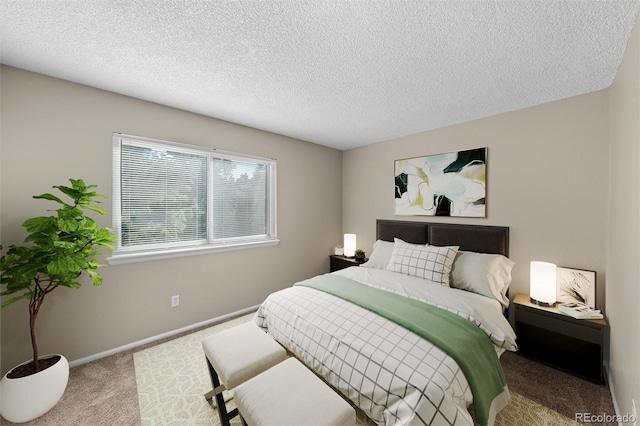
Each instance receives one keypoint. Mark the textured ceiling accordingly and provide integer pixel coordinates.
(336, 73)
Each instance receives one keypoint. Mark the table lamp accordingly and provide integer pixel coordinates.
(543, 283)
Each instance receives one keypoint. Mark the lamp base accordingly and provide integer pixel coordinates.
(539, 303)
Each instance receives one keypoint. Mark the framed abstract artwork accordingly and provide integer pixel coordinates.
(452, 184)
(576, 286)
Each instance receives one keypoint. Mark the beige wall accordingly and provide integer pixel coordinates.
(53, 130)
(547, 180)
(623, 266)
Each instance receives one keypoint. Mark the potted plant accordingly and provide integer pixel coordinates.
(58, 250)
(359, 255)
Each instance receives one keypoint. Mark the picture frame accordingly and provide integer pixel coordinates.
(576, 286)
(449, 184)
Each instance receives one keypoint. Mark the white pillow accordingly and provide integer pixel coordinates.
(423, 261)
(380, 255)
(485, 274)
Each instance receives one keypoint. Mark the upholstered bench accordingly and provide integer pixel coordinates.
(290, 394)
(236, 355)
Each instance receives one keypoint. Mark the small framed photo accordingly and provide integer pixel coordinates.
(576, 286)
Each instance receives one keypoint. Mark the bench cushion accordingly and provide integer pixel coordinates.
(290, 394)
(241, 352)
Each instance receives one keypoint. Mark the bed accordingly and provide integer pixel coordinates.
(368, 330)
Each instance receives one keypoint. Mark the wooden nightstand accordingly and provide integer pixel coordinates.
(572, 345)
(337, 262)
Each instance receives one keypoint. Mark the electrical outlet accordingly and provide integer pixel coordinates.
(175, 301)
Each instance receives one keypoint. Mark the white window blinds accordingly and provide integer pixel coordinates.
(239, 202)
(171, 198)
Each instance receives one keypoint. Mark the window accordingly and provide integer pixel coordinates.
(175, 200)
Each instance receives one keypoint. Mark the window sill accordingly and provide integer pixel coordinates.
(132, 257)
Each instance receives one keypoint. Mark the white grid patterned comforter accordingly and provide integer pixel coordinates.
(392, 374)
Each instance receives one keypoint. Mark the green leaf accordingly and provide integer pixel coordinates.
(105, 237)
(63, 245)
(78, 184)
(51, 197)
(69, 212)
(68, 225)
(38, 224)
(62, 264)
(90, 224)
(97, 209)
(72, 193)
(96, 277)
(40, 238)
(15, 299)
(74, 284)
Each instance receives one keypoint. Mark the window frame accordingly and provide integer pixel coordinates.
(159, 251)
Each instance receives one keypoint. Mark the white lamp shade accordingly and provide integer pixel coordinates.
(349, 245)
(543, 282)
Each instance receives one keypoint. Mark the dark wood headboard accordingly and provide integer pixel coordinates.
(478, 238)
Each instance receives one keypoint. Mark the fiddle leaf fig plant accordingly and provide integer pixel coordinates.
(58, 249)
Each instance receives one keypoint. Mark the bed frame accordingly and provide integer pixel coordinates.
(478, 238)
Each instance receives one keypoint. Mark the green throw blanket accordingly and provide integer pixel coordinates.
(463, 341)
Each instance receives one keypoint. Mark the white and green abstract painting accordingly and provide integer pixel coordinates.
(452, 184)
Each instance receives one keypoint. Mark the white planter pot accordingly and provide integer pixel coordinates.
(26, 398)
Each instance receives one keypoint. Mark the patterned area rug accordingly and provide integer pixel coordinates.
(172, 379)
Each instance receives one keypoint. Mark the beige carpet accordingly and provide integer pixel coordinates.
(172, 379)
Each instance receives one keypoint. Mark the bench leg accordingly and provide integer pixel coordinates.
(225, 416)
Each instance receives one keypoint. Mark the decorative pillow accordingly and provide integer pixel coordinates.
(423, 261)
(486, 274)
(380, 255)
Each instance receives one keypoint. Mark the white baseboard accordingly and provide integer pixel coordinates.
(152, 339)
(613, 394)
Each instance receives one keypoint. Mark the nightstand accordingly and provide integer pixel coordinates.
(572, 345)
(337, 262)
